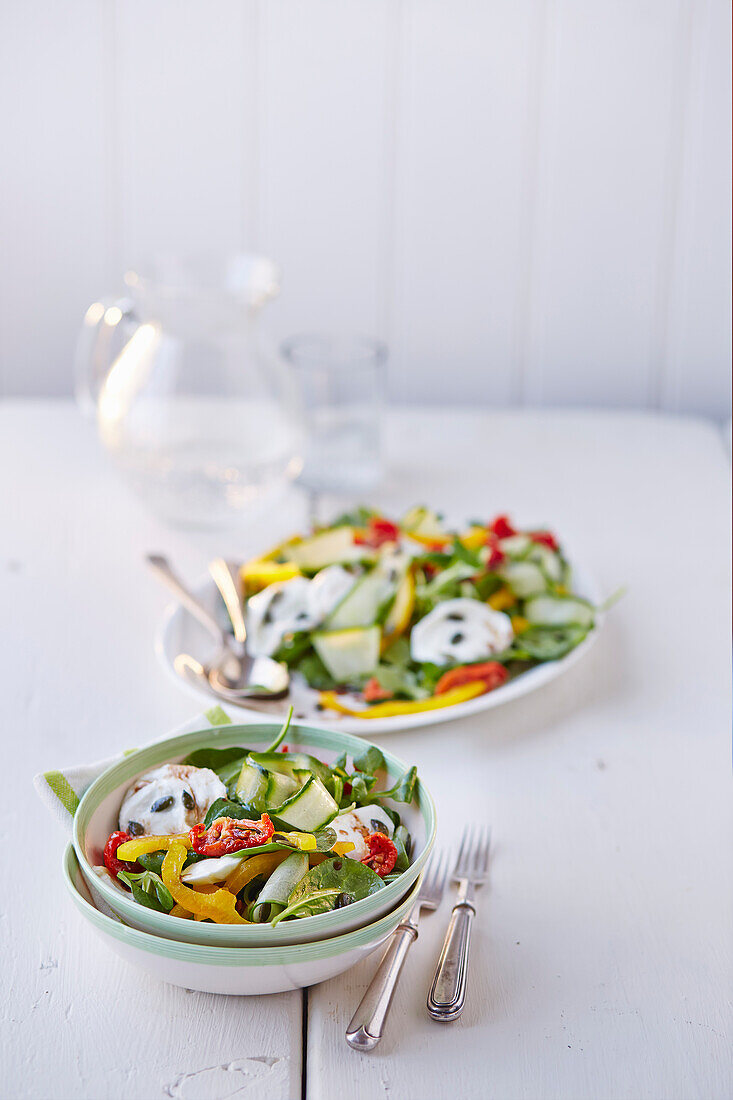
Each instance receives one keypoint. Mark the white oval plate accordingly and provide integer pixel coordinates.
(180, 633)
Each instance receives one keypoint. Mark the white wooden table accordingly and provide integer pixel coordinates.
(602, 958)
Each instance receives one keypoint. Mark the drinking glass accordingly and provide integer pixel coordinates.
(339, 384)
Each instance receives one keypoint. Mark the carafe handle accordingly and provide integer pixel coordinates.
(107, 326)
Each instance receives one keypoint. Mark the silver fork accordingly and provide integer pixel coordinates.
(367, 1023)
(447, 994)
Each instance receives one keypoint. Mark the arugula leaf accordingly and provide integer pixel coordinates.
(370, 761)
(340, 764)
(148, 889)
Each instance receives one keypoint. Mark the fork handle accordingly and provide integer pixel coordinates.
(447, 994)
(367, 1023)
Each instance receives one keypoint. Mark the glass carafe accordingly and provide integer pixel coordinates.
(191, 401)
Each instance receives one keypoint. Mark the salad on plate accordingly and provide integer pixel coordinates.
(384, 618)
(235, 836)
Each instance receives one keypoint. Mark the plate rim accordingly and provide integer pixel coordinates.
(533, 680)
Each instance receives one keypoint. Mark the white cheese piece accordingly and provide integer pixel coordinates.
(184, 794)
(207, 871)
(460, 631)
(356, 827)
(327, 589)
(278, 610)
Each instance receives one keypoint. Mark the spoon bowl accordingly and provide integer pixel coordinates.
(232, 671)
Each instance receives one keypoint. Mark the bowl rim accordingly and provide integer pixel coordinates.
(179, 744)
(246, 955)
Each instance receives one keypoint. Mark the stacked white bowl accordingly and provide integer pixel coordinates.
(240, 959)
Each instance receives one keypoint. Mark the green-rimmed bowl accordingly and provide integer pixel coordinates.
(97, 816)
(241, 971)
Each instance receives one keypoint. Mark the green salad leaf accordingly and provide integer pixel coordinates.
(370, 761)
(331, 884)
(227, 763)
(148, 889)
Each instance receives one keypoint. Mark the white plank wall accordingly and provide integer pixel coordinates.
(529, 201)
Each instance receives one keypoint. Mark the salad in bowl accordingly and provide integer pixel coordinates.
(255, 842)
(385, 618)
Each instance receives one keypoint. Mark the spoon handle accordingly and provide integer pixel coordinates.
(227, 585)
(163, 571)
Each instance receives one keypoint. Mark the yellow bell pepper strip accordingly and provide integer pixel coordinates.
(304, 842)
(400, 613)
(331, 701)
(341, 847)
(179, 911)
(140, 846)
(218, 907)
(501, 599)
(474, 538)
(250, 868)
(519, 623)
(259, 573)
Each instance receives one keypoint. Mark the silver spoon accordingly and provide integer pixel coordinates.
(232, 670)
(188, 668)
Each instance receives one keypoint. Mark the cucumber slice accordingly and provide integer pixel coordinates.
(296, 765)
(421, 521)
(549, 643)
(359, 607)
(328, 548)
(279, 886)
(559, 611)
(308, 809)
(252, 785)
(525, 578)
(549, 562)
(349, 654)
(362, 604)
(279, 788)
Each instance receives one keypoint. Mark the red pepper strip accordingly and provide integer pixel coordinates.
(228, 834)
(382, 854)
(378, 532)
(502, 528)
(545, 538)
(374, 692)
(490, 673)
(111, 862)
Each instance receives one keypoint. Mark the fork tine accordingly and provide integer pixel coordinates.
(482, 852)
(464, 846)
